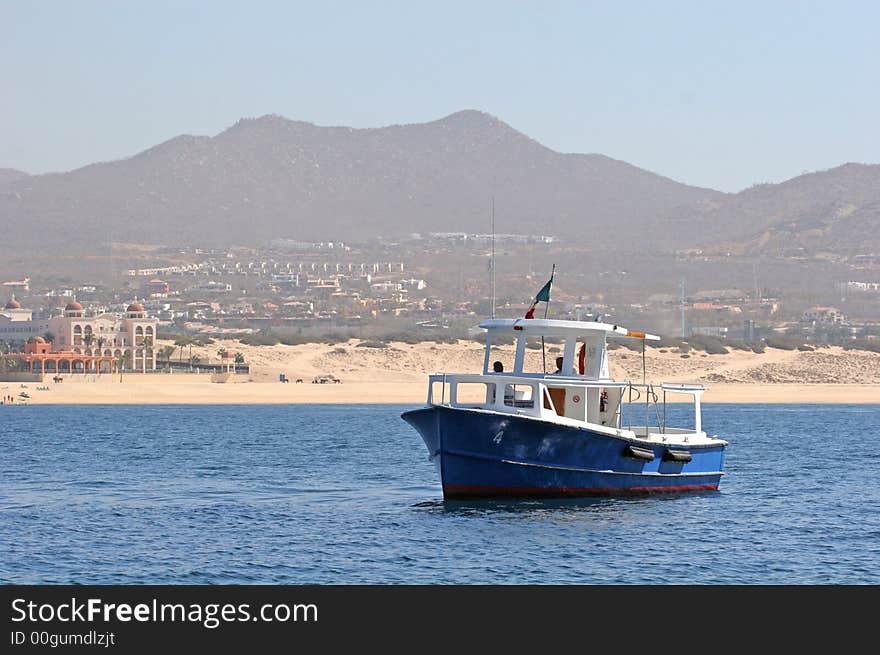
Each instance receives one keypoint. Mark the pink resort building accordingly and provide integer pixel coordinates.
(131, 337)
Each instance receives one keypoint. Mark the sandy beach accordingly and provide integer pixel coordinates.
(397, 374)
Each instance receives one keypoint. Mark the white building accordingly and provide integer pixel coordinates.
(819, 314)
(17, 324)
(386, 287)
(413, 283)
(709, 331)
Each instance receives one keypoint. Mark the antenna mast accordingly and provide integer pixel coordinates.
(681, 304)
(493, 255)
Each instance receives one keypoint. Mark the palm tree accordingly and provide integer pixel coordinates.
(147, 346)
(182, 342)
(100, 341)
(223, 358)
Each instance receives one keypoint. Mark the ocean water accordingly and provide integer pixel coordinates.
(345, 494)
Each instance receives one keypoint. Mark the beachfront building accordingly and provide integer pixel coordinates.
(130, 338)
(39, 357)
(18, 324)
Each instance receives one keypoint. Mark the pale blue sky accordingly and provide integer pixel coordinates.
(719, 94)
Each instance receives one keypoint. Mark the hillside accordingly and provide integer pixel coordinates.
(837, 210)
(8, 175)
(273, 177)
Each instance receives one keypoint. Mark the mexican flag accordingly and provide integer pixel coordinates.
(543, 296)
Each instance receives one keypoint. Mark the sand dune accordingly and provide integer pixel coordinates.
(397, 374)
(411, 362)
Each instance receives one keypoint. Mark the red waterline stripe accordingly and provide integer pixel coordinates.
(466, 490)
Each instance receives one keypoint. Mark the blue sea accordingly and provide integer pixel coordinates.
(345, 495)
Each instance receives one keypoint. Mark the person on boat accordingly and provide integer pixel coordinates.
(497, 367)
(558, 370)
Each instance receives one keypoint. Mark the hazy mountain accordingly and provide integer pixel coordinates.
(835, 210)
(273, 177)
(10, 175)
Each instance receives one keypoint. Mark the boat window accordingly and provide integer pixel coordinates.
(586, 357)
(518, 395)
(502, 350)
(475, 393)
(535, 356)
(440, 392)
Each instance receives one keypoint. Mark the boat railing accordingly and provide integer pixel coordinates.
(648, 392)
(524, 395)
(652, 400)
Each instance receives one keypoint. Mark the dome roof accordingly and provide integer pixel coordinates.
(39, 340)
(13, 304)
(135, 307)
(73, 306)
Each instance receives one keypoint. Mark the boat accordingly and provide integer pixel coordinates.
(526, 433)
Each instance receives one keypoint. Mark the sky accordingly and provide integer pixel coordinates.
(715, 94)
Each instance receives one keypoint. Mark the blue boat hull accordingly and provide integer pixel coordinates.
(486, 454)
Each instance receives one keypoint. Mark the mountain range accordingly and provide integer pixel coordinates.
(272, 177)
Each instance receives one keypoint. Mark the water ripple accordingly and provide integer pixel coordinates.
(344, 494)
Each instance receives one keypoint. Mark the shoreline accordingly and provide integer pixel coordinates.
(398, 374)
(197, 390)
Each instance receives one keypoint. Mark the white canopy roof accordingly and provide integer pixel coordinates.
(556, 328)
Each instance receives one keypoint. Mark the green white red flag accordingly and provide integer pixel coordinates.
(543, 296)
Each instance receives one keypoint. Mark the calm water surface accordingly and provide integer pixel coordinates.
(345, 494)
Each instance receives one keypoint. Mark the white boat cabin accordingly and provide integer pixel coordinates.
(581, 392)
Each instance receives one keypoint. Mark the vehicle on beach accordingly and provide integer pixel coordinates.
(326, 379)
(569, 433)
